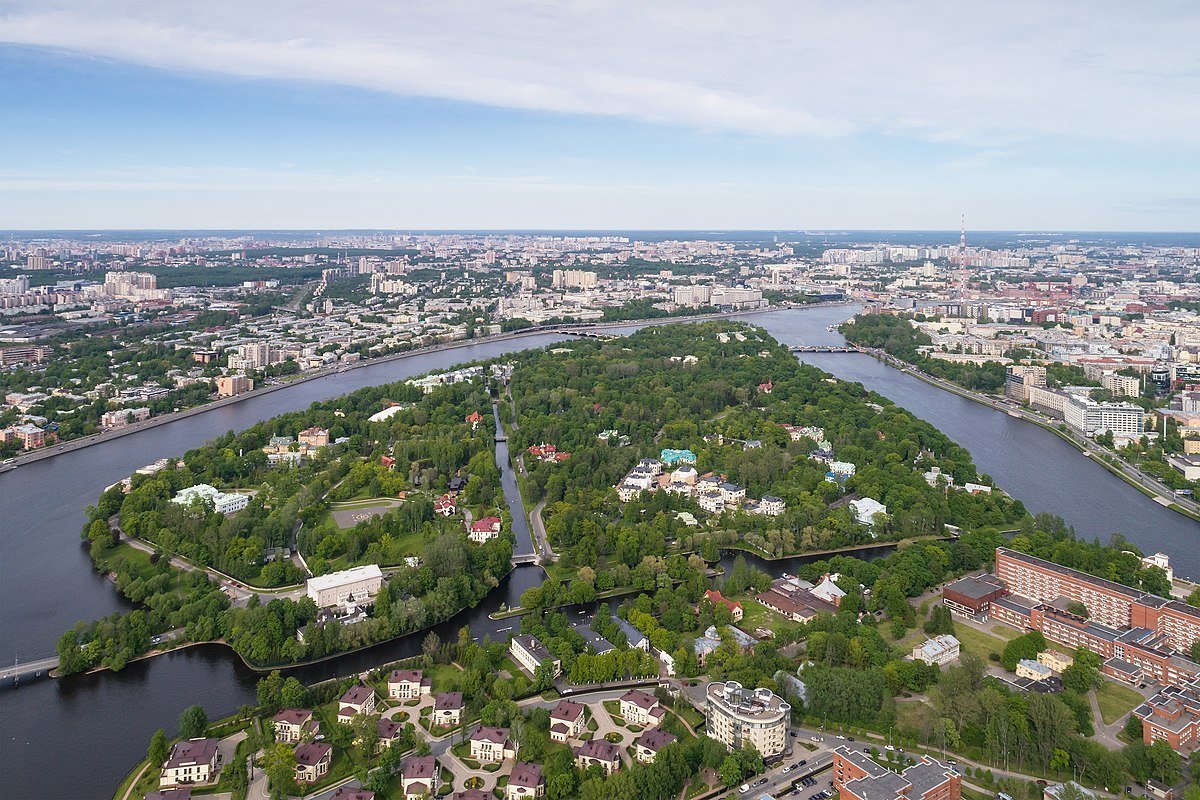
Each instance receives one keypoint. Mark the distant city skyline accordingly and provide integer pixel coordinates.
(664, 116)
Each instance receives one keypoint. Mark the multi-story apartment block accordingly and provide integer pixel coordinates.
(1018, 379)
(1122, 420)
(1140, 635)
(738, 717)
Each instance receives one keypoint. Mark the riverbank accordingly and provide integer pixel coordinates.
(73, 445)
(288, 667)
(621, 591)
(137, 427)
(835, 551)
(1162, 498)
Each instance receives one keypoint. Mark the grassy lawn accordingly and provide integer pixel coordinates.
(557, 571)
(689, 713)
(914, 716)
(977, 642)
(1005, 632)
(444, 677)
(148, 783)
(520, 683)
(1116, 700)
(756, 615)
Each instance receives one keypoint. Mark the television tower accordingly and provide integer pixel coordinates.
(962, 244)
(961, 288)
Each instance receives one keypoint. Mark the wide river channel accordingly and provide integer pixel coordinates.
(76, 738)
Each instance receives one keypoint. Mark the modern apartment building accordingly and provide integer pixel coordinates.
(1018, 379)
(1122, 420)
(738, 717)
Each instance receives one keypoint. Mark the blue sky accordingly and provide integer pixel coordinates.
(590, 115)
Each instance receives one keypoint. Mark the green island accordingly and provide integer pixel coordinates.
(721, 407)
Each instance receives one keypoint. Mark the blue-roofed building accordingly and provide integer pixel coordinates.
(703, 645)
(671, 457)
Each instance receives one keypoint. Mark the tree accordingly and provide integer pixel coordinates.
(366, 732)
(1084, 673)
(543, 676)
(1022, 647)
(268, 691)
(293, 694)
(1059, 760)
(1069, 790)
(279, 762)
(731, 771)
(159, 748)
(192, 722)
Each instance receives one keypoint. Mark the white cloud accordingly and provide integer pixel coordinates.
(980, 72)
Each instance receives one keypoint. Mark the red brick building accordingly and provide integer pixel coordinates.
(1172, 715)
(857, 777)
(1141, 634)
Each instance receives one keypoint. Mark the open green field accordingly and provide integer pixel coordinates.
(978, 643)
(1116, 700)
(1005, 632)
(913, 715)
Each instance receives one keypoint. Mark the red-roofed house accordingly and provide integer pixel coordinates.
(492, 745)
(474, 418)
(292, 723)
(419, 776)
(445, 506)
(640, 708)
(525, 782)
(717, 599)
(312, 761)
(485, 529)
(407, 684)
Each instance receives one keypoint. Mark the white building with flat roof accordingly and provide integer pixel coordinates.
(222, 502)
(1123, 420)
(356, 585)
(938, 650)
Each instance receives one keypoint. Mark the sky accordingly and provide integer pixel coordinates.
(654, 114)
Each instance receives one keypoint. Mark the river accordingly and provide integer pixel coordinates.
(76, 737)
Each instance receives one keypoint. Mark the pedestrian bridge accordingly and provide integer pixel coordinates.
(524, 558)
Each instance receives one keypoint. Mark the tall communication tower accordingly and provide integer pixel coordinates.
(962, 244)
(962, 259)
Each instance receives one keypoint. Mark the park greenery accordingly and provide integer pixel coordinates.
(696, 387)
(429, 436)
(852, 661)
